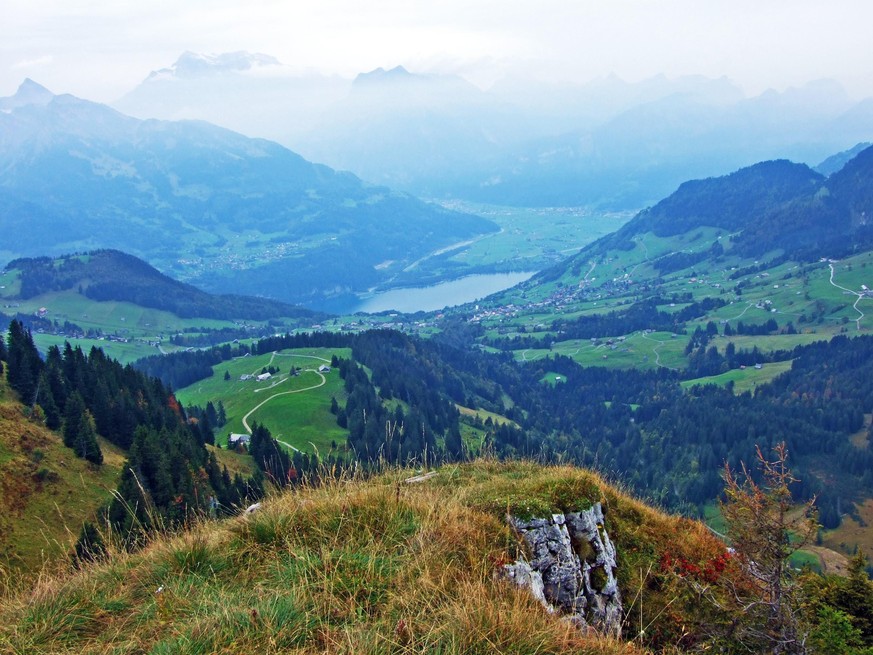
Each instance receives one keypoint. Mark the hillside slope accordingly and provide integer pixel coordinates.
(112, 275)
(355, 566)
(219, 209)
(772, 207)
(46, 492)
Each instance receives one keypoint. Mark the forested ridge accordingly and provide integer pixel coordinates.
(169, 476)
(641, 427)
(773, 206)
(112, 275)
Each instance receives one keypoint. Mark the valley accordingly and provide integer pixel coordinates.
(661, 351)
(460, 328)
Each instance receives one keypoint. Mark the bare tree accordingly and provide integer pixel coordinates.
(765, 528)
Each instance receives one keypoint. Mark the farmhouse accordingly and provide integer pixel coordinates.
(235, 440)
(324, 368)
(244, 377)
(264, 376)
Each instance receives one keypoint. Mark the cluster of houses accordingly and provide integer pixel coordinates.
(263, 377)
(259, 377)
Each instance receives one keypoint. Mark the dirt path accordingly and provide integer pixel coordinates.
(740, 315)
(655, 350)
(245, 420)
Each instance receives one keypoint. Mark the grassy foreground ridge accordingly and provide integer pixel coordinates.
(360, 566)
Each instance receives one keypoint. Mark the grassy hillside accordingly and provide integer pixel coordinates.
(296, 409)
(374, 566)
(118, 303)
(819, 299)
(46, 492)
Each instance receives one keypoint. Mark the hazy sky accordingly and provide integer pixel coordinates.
(100, 49)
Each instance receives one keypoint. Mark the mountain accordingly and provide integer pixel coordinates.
(775, 206)
(193, 65)
(253, 94)
(835, 162)
(216, 208)
(607, 142)
(29, 93)
(110, 275)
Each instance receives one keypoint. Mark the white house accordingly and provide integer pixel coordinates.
(324, 368)
(264, 376)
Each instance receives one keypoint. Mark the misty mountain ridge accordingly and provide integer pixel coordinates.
(219, 209)
(192, 65)
(837, 161)
(28, 93)
(609, 143)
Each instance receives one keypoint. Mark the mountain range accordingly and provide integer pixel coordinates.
(608, 142)
(226, 212)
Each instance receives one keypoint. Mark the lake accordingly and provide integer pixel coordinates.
(437, 296)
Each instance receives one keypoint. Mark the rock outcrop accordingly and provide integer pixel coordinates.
(572, 568)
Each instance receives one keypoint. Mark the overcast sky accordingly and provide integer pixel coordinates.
(100, 49)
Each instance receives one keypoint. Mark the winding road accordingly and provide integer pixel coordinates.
(245, 420)
(855, 293)
(274, 354)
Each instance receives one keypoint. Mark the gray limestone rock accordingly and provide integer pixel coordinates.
(562, 580)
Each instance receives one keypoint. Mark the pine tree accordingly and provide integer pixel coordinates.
(79, 431)
(48, 404)
(454, 443)
(24, 363)
(86, 445)
(73, 413)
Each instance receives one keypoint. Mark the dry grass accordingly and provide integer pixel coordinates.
(354, 566)
(46, 492)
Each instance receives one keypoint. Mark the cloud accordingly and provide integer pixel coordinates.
(36, 62)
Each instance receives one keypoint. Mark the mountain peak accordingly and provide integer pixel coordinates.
(28, 93)
(191, 65)
(379, 75)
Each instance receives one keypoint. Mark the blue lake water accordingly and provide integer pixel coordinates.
(437, 296)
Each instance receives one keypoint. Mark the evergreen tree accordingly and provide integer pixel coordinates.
(765, 531)
(73, 413)
(24, 363)
(211, 414)
(79, 431)
(47, 402)
(454, 443)
(86, 445)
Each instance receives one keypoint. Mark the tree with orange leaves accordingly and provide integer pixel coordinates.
(765, 528)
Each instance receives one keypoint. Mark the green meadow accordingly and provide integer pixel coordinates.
(296, 409)
(743, 379)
